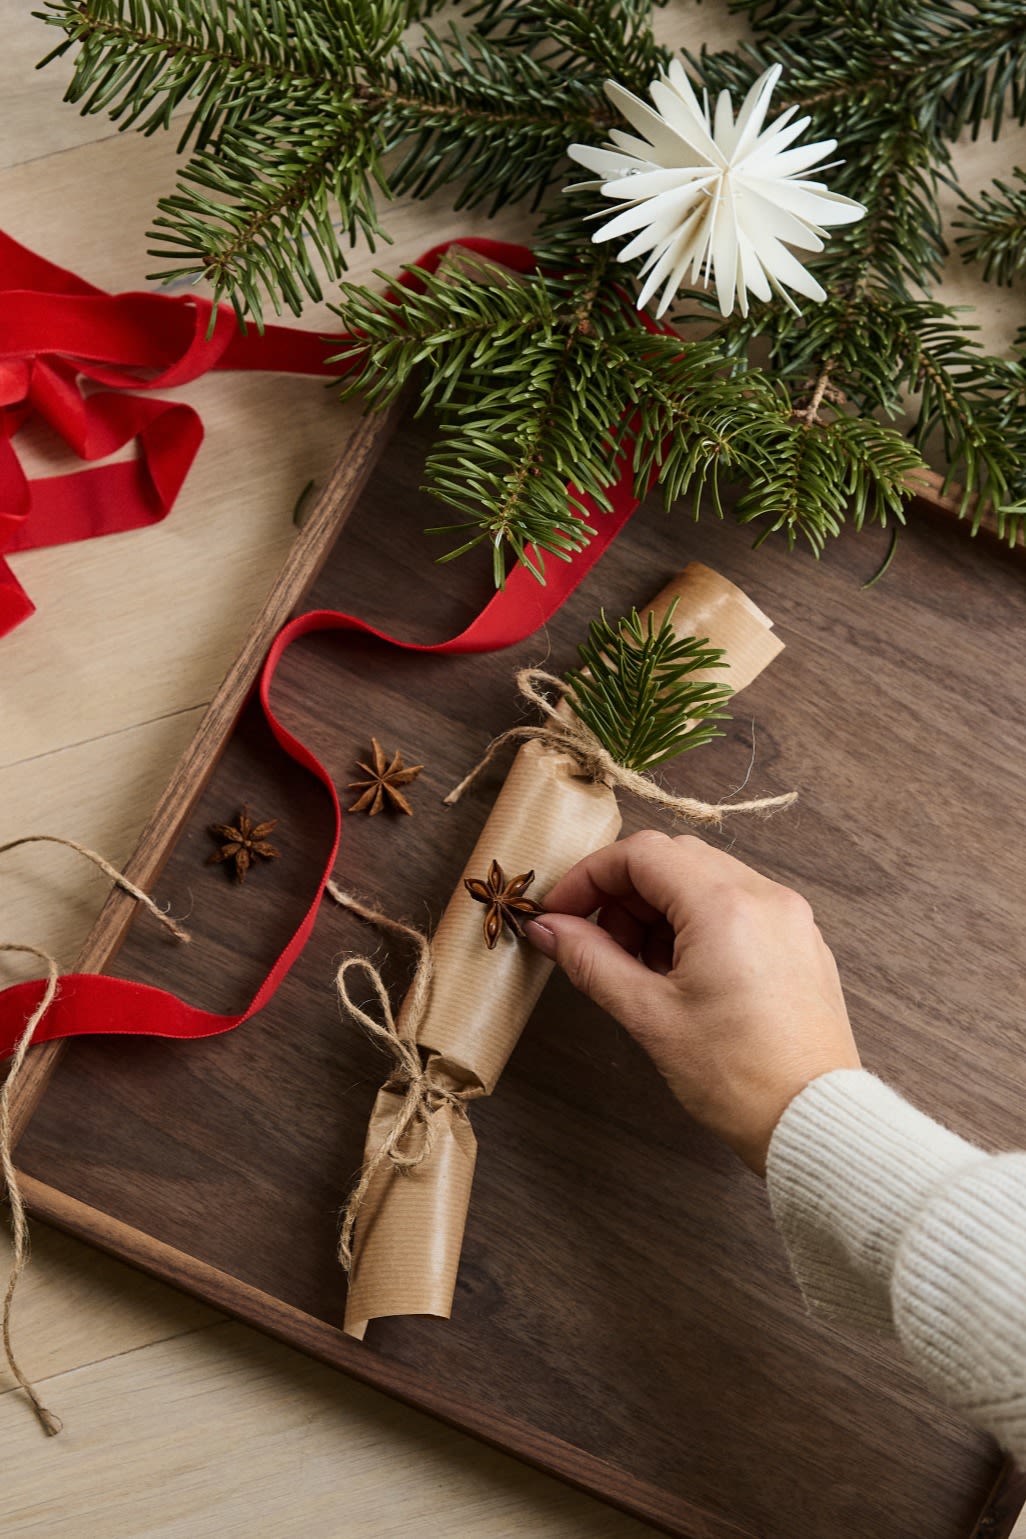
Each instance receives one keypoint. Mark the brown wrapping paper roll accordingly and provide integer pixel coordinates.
(409, 1231)
(410, 1228)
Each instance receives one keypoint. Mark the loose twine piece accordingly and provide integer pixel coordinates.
(50, 1423)
(573, 736)
(422, 1096)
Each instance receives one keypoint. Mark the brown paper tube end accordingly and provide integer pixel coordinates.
(409, 1229)
(711, 606)
(357, 1329)
(696, 587)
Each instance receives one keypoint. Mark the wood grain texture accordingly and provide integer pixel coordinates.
(224, 1435)
(328, 1344)
(609, 1306)
(33, 131)
(76, 1306)
(1004, 1512)
(101, 793)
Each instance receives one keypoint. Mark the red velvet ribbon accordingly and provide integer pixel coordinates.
(92, 1003)
(57, 333)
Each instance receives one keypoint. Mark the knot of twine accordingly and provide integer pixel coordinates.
(50, 1423)
(421, 1095)
(567, 732)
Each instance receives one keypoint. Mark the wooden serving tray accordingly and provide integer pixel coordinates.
(625, 1317)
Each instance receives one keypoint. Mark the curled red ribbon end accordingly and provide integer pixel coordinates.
(58, 334)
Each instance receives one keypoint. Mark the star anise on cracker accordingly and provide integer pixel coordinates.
(506, 905)
(242, 841)
(381, 789)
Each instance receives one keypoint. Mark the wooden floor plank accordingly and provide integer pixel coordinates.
(76, 1306)
(99, 793)
(36, 126)
(225, 1433)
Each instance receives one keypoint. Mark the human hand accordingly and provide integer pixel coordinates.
(719, 973)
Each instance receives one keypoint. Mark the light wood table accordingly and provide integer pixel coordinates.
(179, 1422)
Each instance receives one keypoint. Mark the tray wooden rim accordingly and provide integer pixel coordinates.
(552, 1455)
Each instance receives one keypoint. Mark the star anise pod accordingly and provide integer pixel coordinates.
(242, 841)
(507, 905)
(382, 787)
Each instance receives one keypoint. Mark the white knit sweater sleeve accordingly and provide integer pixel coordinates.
(892, 1222)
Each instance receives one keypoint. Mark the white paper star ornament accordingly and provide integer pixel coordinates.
(723, 197)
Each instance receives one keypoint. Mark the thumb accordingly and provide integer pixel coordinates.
(593, 961)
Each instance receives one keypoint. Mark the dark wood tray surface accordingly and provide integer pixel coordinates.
(624, 1314)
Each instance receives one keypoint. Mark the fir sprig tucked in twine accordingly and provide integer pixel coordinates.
(50, 1423)
(641, 696)
(566, 732)
(644, 690)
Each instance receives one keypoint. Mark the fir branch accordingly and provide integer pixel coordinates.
(593, 38)
(251, 222)
(454, 324)
(976, 405)
(995, 226)
(528, 443)
(525, 408)
(855, 341)
(457, 104)
(815, 474)
(296, 104)
(302, 113)
(694, 424)
(637, 690)
(962, 63)
(539, 384)
(140, 60)
(872, 347)
(543, 382)
(525, 463)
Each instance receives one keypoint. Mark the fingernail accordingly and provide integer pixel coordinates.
(541, 937)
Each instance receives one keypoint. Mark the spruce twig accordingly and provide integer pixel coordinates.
(637, 691)
(995, 226)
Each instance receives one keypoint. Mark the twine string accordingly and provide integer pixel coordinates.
(565, 731)
(50, 1423)
(117, 877)
(422, 1094)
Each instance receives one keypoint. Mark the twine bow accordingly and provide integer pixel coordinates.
(422, 1094)
(565, 731)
